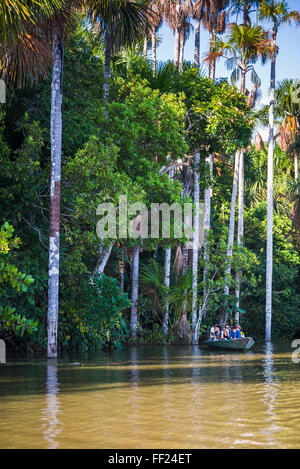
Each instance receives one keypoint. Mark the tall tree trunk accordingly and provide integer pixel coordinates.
(195, 247)
(296, 169)
(167, 271)
(207, 213)
(134, 291)
(153, 43)
(176, 47)
(107, 67)
(54, 236)
(207, 217)
(122, 274)
(103, 256)
(145, 47)
(181, 50)
(240, 230)
(243, 81)
(212, 64)
(183, 327)
(197, 44)
(269, 259)
(231, 230)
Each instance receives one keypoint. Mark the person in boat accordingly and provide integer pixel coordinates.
(218, 332)
(234, 333)
(226, 332)
(240, 329)
(212, 332)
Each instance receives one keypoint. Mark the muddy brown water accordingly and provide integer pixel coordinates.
(153, 397)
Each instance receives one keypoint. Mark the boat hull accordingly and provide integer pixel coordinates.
(245, 343)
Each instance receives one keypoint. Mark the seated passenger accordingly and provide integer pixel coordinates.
(234, 333)
(226, 332)
(240, 329)
(212, 332)
(218, 333)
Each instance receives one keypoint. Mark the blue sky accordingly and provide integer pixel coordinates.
(288, 62)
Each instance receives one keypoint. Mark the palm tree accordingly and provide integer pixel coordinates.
(244, 8)
(287, 107)
(198, 14)
(176, 14)
(242, 50)
(155, 22)
(214, 18)
(277, 13)
(25, 53)
(121, 22)
(57, 28)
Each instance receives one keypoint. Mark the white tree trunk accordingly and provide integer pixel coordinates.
(207, 217)
(122, 274)
(167, 271)
(231, 227)
(269, 257)
(153, 43)
(212, 65)
(240, 230)
(176, 47)
(296, 170)
(181, 50)
(134, 291)
(195, 247)
(145, 47)
(54, 238)
(197, 44)
(107, 67)
(103, 256)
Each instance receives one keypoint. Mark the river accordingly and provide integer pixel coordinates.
(153, 397)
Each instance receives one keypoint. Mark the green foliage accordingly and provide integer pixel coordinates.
(11, 322)
(92, 316)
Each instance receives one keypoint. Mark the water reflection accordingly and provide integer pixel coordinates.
(270, 394)
(51, 411)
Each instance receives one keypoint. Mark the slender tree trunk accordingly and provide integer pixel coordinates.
(134, 291)
(207, 213)
(243, 81)
(195, 246)
(240, 230)
(54, 236)
(167, 269)
(181, 51)
(145, 47)
(296, 169)
(176, 47)
(103, 256)
(153, 43)
(212, 64)
(269, 259)
(107, 67)
(231, 230)
(122, 274)
(207, 218)
(197, 44)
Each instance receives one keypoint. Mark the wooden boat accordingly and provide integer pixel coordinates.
(245, 343)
